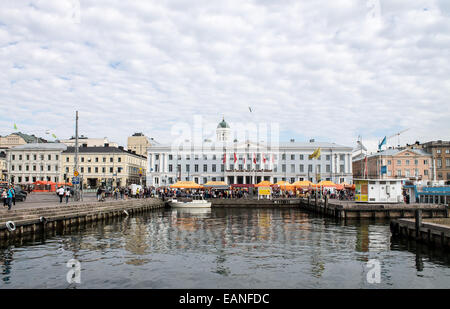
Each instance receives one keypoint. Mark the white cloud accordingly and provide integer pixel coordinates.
(325, 69)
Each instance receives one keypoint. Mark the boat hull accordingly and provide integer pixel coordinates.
(176, 204)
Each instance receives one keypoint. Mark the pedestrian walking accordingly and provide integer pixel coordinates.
(13, 195)
(60, 193)
(67, 195)
(99, 194)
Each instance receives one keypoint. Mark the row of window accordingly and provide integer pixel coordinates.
(249, 157)
(407, 162)
(204, 180)
(29, 157)
(96, 159)
(27, 179)
(35, 168)
(301, 168)
(96, 169)
(439, 163)
(408, 173)
(440, 151)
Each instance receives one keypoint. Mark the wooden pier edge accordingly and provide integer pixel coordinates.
(76, 216)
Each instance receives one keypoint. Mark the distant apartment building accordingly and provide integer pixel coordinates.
(88, 142)
(414, 164)
(18, 138)
(139, 143)
(104, 166)
(440, 156)
(33, 162)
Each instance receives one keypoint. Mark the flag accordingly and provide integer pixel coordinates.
(273, 158)
(254, 158)
(366, 172)
(224, 158)
(54, 136)
(264, 158)
(383, 142)
(250, 109)
(235, 158)
(315, 154)
(15, 127)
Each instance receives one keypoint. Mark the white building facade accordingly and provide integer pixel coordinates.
(247, 162)
(33, 162)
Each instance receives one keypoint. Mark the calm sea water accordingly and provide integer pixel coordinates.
(233, 248)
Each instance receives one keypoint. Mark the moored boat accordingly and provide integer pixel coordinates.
(196, 202)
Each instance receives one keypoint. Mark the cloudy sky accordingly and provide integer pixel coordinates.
(329, 70)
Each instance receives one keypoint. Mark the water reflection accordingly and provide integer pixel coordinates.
(228, 248)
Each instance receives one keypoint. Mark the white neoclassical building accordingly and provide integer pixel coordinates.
(248, 162)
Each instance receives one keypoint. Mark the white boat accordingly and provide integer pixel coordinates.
(197, 202)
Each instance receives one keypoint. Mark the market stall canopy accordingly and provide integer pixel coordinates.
(64, 184)
(339, 187)
(264, 183)
(326, 183)
(42, 182)
(302, 184)
(216, 185)
(284, 185)
(186, 185)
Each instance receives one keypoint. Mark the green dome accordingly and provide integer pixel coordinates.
(223, 124)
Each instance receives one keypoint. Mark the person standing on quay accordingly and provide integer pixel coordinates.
(122, 191)
(60, 194)
(10, 196)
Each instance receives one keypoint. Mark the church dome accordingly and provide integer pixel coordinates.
(223, 124)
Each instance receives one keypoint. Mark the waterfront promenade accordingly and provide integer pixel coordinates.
(39, 200)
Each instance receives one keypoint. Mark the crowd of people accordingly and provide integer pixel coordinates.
(165, 193)
(246, 193)
(124, 193)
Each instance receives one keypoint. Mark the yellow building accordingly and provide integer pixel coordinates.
(104, 166)
(3, 167)
(139, 143)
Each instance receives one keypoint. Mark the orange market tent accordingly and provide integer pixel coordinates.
(264, 183)
(303, 184)
(59, 184)
(326, 183)
(186, 185)
(339, 187)
(351, 187)
(284, 185)
(44, 186)
(216, 185)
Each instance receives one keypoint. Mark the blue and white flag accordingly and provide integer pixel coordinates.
(383, 142)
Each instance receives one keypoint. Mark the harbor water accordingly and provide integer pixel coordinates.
(225, 248)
